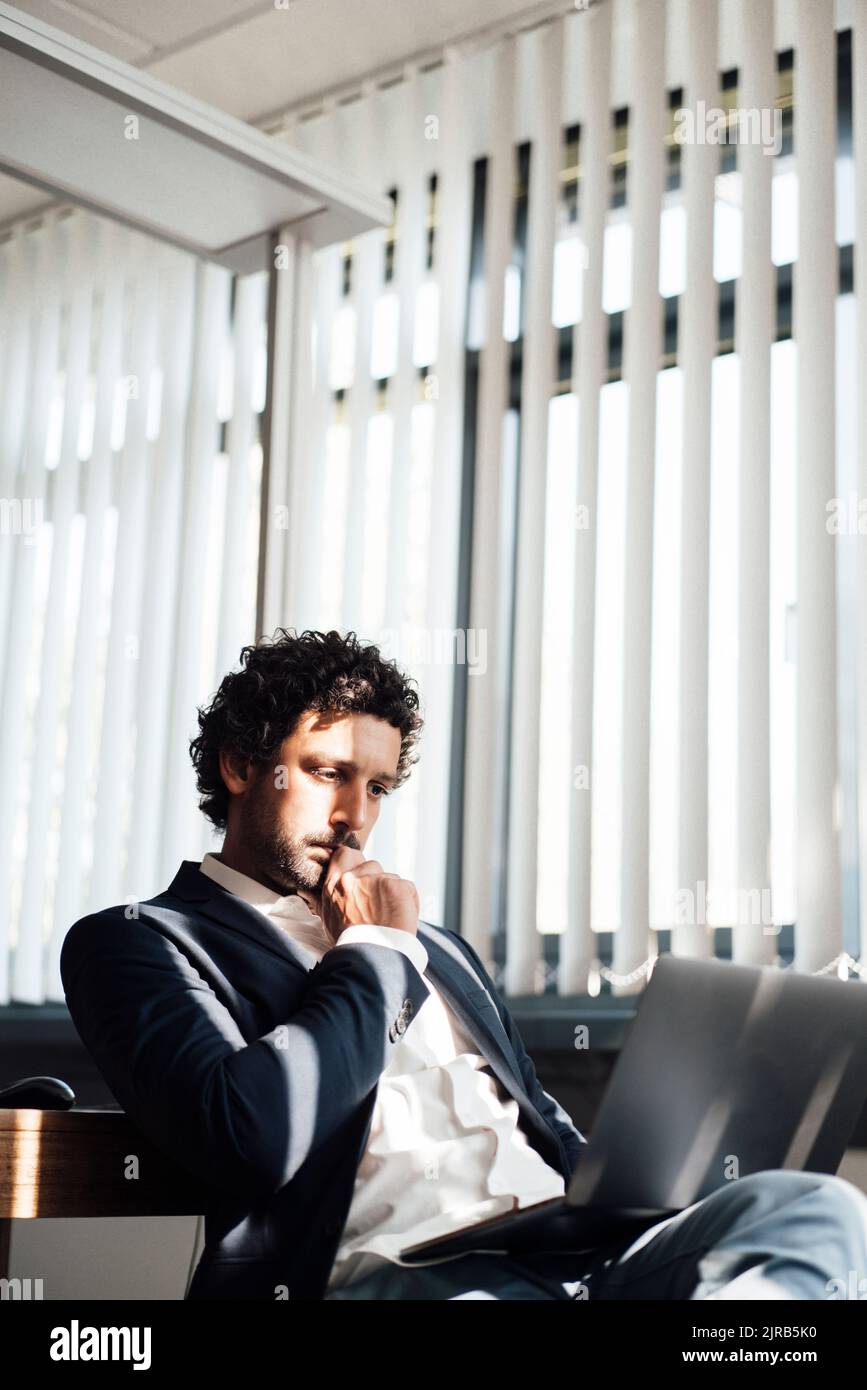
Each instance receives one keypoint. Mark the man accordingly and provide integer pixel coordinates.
(344, 1078)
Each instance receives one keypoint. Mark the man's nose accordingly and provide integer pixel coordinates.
(351, 807)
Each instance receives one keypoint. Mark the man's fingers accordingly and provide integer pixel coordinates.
(340, 860)
(369, 869)
(370, 866)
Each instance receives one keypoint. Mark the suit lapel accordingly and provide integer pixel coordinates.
(216, 902)
(454, 977)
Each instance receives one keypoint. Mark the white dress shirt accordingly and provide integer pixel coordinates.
(444, 1148)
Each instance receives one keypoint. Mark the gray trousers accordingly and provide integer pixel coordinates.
(776, 1234)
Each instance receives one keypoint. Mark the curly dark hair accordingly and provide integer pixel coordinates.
(281, 678)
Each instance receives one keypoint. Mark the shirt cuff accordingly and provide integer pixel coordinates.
(387, 936)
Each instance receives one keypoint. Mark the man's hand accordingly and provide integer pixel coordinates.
(358, 892)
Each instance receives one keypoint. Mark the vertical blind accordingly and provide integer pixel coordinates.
(373, 482)
(649, 328)
(130, 478)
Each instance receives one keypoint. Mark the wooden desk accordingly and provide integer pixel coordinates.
(75, 1163)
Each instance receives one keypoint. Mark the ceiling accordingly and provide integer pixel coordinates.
(255, 59)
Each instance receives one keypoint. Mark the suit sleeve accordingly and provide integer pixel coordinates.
(241, 1116)
(560, 1121)
(388, 936)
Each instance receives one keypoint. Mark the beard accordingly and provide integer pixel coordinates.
(283, 861)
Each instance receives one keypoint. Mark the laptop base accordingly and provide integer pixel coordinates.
(551, 1225)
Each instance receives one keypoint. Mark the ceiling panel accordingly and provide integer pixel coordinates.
(251, 59)
(155, 25)
(88, 29)
(291, 55)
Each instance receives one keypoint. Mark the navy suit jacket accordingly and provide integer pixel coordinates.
(255, 1067)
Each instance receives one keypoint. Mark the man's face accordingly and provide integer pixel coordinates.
(325, 789)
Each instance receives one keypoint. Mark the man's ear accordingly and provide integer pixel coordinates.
(237, 772)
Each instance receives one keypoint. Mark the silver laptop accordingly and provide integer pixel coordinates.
(726, 1070)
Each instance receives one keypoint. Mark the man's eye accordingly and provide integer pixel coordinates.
(331, 773)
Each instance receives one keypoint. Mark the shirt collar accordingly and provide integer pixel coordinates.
(258, 894)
